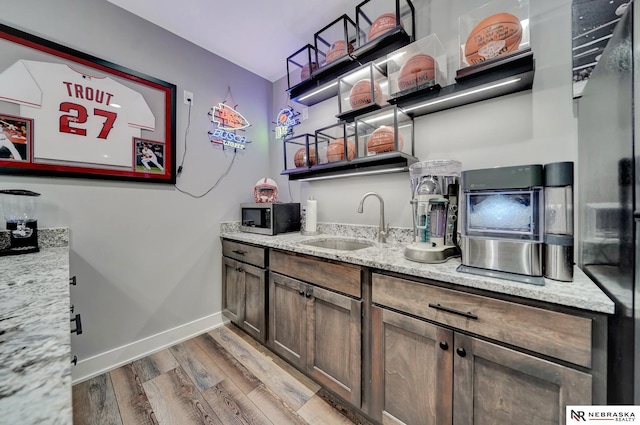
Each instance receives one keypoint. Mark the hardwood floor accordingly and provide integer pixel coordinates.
(221, 377)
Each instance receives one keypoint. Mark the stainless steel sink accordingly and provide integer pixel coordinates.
(339, 244)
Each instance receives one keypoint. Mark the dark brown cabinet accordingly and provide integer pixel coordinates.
(314, 328)
(244, 286)
(427, 371)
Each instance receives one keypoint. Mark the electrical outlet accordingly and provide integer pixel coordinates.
(188, 98)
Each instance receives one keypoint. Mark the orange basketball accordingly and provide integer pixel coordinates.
(335, 151)
(306, 73)
(338, 50)
(382, 140)
(381, 25)
(493, 36)
(360, 93)
(418, 70)
(300, 157)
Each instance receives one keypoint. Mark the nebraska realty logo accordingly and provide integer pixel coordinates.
(602, 414)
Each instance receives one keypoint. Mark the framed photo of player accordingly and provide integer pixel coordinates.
(15, 138)
(69, 114)
(149, 156)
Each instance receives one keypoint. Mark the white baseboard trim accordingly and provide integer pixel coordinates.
(112, 359)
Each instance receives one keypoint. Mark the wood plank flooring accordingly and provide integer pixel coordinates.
(221, 377)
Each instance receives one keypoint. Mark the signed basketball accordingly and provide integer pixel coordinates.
(383, 140)
(493, 36)
(335, 150)
(383, 24)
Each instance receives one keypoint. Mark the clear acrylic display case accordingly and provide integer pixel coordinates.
(300, 65)
(491, 32)
(377, 18)
(300, 152)
(336, 41)
(336, 143)
(417, 66)
(356, 92)
(383, 131)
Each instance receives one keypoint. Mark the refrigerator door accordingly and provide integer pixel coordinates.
(607, 247)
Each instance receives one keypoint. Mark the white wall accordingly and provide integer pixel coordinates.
(532, 127)
(147, 258)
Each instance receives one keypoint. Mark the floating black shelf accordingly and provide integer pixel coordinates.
(323, 83)
(388, 162)
(490, 79)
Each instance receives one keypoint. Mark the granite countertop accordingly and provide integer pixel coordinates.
(582, 293)
(35, 339)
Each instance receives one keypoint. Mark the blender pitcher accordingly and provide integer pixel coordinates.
(20, 208)
(434, 188)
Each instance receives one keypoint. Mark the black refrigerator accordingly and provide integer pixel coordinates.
(608, 192)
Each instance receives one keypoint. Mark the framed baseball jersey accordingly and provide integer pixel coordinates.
(87, 116)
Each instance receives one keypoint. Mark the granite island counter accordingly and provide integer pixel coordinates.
(35, 343)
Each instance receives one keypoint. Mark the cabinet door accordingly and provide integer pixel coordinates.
(288, 318)
(232, 288)
(499, 386)
(253, 305)
(334, 336)
(412, 364)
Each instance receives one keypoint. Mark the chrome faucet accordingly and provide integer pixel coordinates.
(383, 230)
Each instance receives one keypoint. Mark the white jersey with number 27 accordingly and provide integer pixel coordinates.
(77, 117)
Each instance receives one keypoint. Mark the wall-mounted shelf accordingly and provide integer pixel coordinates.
(390, 162)
(491, 79)
(323, 83)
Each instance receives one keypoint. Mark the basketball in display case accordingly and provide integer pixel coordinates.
(388, 130)
(417, 66)
(335, 42)
(376, 19)
(301, 65)
(300, 152)
(383, 139)
(336, 150)
(495, 30)
(331, 143)
(362, 89)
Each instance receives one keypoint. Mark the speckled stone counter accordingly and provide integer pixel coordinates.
(581, 293)
(35, 343)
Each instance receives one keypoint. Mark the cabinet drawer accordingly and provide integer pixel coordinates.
(552, 333)
(339, 277)
(249, 254)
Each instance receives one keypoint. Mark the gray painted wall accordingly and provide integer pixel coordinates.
(147, 258)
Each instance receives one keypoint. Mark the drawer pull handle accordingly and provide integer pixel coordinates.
(468, 314)
(461, 352)
(308, 294)
(239, 269)
(301, 292)
(78, 329)
(239, 252)
(73, 281)
(444, 345)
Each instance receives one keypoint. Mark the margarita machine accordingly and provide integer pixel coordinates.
(434, 187)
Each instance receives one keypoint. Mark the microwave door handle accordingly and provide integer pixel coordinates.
(239, 251)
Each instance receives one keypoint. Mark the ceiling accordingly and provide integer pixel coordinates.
(258, 35)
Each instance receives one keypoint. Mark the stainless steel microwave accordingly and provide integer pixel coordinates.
(270, 218)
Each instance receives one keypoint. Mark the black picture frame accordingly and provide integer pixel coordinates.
(78, 130)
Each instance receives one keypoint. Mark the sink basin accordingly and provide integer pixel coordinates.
(339, 244)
